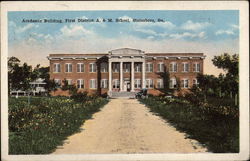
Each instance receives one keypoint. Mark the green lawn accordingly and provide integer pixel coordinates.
(216, 127)
(40, 127)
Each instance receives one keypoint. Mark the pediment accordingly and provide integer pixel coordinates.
(126, 52)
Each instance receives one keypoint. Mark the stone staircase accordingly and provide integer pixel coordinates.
(122, 94)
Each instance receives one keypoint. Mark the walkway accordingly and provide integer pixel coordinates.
(126, 126)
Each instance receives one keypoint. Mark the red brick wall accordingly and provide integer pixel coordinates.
(86, 75)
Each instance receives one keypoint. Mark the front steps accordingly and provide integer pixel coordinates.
(122, 94)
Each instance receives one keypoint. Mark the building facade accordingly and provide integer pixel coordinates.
(125, 69)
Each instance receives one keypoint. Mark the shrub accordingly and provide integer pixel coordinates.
(217, 127)
(43, 125)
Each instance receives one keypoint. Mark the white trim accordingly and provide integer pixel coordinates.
(148, 83)
(161, 67)
(138, 83)
(81, 83)
(81, 67)
(67, 67)
(90, 84)
(173, 67)
(147, 67)
(105, 81)
(184, 70)
(160, 81)
(55, 70)
(92, 67)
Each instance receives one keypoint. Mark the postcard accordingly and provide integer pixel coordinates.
(125, 80)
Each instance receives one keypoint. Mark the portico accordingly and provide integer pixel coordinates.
(128, 57)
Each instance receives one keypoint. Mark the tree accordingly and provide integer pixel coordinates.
(230, 64)
(71, 88)
(166, 79)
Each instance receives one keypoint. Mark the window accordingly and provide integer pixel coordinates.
(138, 67)
(104, 83)
(80, 83)
(69, 81)
(58, 82)
(116, 67)
(116, 83)
(80, 67)
(68, 67)
(104, 67)
(160, 67)
(149, 83)
(126, 67)
(137, 83)
(184, 83)
(196, 67)
(57, 68)
(92, 83)
(185, 67)
(173, 67)
(149, 67)
(172, 83)
(195, 82)
(92, 67)
(160, 83)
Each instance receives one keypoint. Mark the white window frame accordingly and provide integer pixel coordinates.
(172, 66)
(172, 83)
(104, 67)
(160, 67)
(70, 81)
(185, 83)
(138, 67)
(56, 67)
(116, 83)
(80, 66)
(195, 67)
(185, 66)
(126, 67)
(115, 70)
(80, 83)
(92, 67)
(59, 82)
(149, 83)
(149, 67)
(160, 83)
(92, 85)
(137, 83)
(67, 67)
(104, 83)
(195, 81)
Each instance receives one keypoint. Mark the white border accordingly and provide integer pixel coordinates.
(243, 6)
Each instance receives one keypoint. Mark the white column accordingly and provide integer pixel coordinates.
(132, 77)
(143, 75)
(121, 76)
(110, 76)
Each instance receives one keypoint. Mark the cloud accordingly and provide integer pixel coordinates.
(75, 30)
(188, 35)
(190, 25)
(227, 32)
(234, 26)
(25, 28)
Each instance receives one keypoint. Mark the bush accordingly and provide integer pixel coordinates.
(215, 127)
(40, 127)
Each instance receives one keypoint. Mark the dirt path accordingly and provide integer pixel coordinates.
(126, 126)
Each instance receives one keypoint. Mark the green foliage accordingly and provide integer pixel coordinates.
(216, 127)
(229, 63)
(42, 126)
(71, 88)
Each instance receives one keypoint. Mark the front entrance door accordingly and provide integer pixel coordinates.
(126, 86)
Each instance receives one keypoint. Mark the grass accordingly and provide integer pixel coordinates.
(216, 127)
(40, 127)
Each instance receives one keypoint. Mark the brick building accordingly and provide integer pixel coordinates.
(125, 70)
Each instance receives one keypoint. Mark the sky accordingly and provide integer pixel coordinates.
(212, 32)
